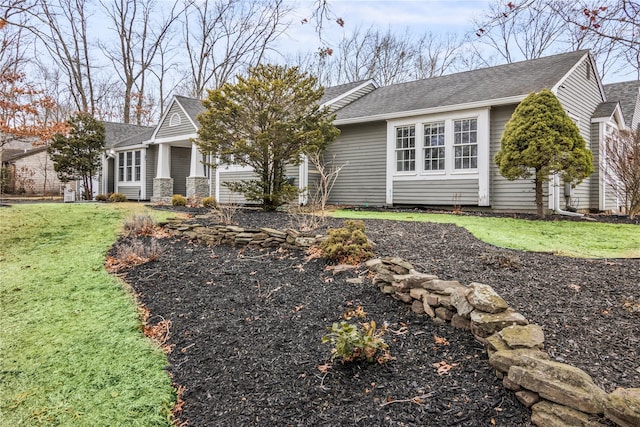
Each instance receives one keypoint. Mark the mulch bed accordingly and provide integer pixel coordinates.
(246, 329)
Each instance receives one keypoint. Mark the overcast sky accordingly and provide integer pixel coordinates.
(418, 16)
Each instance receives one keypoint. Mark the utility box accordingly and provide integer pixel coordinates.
(69, 196)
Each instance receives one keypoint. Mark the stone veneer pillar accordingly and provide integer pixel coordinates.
(162, 190)
(197, 186)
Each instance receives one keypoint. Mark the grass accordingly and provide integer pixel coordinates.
(569, 238)
(71, 348)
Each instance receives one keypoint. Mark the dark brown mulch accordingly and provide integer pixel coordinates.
(246, 328)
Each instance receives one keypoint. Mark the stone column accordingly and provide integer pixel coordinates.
(197, 182)
(163, 183)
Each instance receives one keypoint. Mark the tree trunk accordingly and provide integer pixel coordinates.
(539, 206)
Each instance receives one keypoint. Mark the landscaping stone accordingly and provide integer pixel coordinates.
(548, 414)
(484, 298)
(623, 407)
(484, 324)
(560, 383)
(516, 336)
(527, 398)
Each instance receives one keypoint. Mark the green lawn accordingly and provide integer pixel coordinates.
(71, 348)
(571, 238)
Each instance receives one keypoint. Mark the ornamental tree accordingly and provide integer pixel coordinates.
(540, 140)
(266, 120)
(76, 154)
(621, 168)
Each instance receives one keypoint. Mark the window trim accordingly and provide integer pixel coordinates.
(175, 120)
(483, 172)
(130, 167)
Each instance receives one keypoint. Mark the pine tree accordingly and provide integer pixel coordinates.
(541, 140)
(76, 155)
(266, 120)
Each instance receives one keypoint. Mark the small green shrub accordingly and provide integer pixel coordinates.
(178, 200)
(352, 343)
(209, 202)
(117, 198)
(348, 245)
(102, 198)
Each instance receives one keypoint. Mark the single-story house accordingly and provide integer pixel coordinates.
(28, 169)
(429, 142)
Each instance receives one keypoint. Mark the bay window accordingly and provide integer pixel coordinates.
(129, 166)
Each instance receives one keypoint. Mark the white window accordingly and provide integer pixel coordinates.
(434, 150)
(465, 143)
(406, 148)
(130, 166)
(175, 120)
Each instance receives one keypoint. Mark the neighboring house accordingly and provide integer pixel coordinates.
(429, 142)
(30, 171)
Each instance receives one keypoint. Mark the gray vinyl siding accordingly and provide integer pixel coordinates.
(184, 128)
(180, 168)
(580, 95)
(363, 180)
(447, 192)
(293, 171)
(132, 192)
(226, 195)
(508, 195)
(151, 167)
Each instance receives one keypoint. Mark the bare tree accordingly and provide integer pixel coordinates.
(611, 29)
(62, 27)
(524, 33)
(437, 55)
(140, 36)
(328, 174)
(621, 167)
(226, 37)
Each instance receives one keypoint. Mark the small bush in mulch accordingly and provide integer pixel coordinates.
(362, 342)
(178, 200)
(117, 198)
(348, 244)
(209, 202)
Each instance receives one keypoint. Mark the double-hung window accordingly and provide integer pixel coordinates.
(129, 166)
(406, 148)
(465, 143)
(434, 153)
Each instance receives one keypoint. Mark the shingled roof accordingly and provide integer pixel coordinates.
(627, 94)
(191, 106)
(115, 133)
(503, 81)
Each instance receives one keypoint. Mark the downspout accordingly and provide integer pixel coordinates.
(556, 199)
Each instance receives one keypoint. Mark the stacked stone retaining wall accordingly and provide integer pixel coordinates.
(558, 394)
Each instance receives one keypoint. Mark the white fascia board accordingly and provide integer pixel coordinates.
(435, 110)
(344, 95)
(131, 147)
(183, 138)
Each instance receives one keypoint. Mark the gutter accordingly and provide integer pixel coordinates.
(556, 199)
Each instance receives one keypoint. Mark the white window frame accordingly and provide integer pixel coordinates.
(130, 166)
(483, 141)
(466, 147)
(407, 148)
(439, 147)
